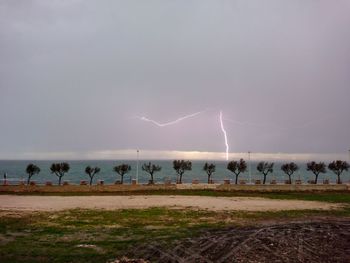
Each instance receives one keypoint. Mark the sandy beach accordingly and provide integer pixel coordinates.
(57, 203)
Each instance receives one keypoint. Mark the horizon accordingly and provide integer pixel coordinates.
(145, 155)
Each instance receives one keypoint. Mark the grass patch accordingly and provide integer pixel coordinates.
(56, 236)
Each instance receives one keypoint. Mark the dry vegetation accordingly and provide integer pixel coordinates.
(102, 236)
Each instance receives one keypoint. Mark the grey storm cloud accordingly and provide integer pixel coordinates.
(74, 75)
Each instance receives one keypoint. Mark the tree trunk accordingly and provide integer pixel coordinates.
(180, 178)
(28, 181)
(264, 179)
(91, 180)
(290, 179)
(152, 181)
(122, 178)
(236, 182)
(338, 179)
(208, 178)
(59, 180)
(316, 178)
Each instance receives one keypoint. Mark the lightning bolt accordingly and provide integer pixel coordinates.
(171, 122)
(187, 117)
(225, 134)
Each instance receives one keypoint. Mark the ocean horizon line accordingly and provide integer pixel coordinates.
(149, 155)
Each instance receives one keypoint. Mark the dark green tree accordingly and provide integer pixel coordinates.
(31, 170)
(91, 172)
(316, 168)
(210, 169)
(237, 168)
(151, 169)
(265, 168)
(289, 169)
(122, 170)
(180, 166)
(59, 169)
(338, 167)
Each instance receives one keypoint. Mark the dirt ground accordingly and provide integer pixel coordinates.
(56, 203)
(312, 242)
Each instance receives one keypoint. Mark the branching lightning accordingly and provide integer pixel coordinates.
(221, 119)
(170, 122)
(225, 134)
(187, 117)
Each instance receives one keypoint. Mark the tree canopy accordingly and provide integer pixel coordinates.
(59, 169)
(92, 171)
(122, 170)
(180, 166)
(289, 169)
(265, 168)
(237, 167)
(31, 170)
(316, 168)
(151, 169)
(210, 169)
(338, 167)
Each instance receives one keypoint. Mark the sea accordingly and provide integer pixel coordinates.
(15, 171)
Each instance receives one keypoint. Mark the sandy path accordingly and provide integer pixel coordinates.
(55, 203)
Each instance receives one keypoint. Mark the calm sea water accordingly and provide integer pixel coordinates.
(16, 172)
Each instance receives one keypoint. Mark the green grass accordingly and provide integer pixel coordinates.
(54, 236)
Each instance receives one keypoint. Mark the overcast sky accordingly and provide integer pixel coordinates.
(75, 75)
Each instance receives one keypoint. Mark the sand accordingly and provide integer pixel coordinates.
(57, 203)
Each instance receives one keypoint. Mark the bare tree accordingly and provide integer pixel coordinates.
(237, 168)
(31, 170)
(210, 169)
(316, 168)
(265, 168)
(59, 169)
(180, 166)
(122, 170)
(151, 169)
(91, 171)
(338, 167)
(289, 169)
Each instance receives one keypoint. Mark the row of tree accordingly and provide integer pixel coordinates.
(181, 166)
(238, 167)
(60, 169)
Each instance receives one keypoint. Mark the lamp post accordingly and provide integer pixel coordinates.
(137, 167)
